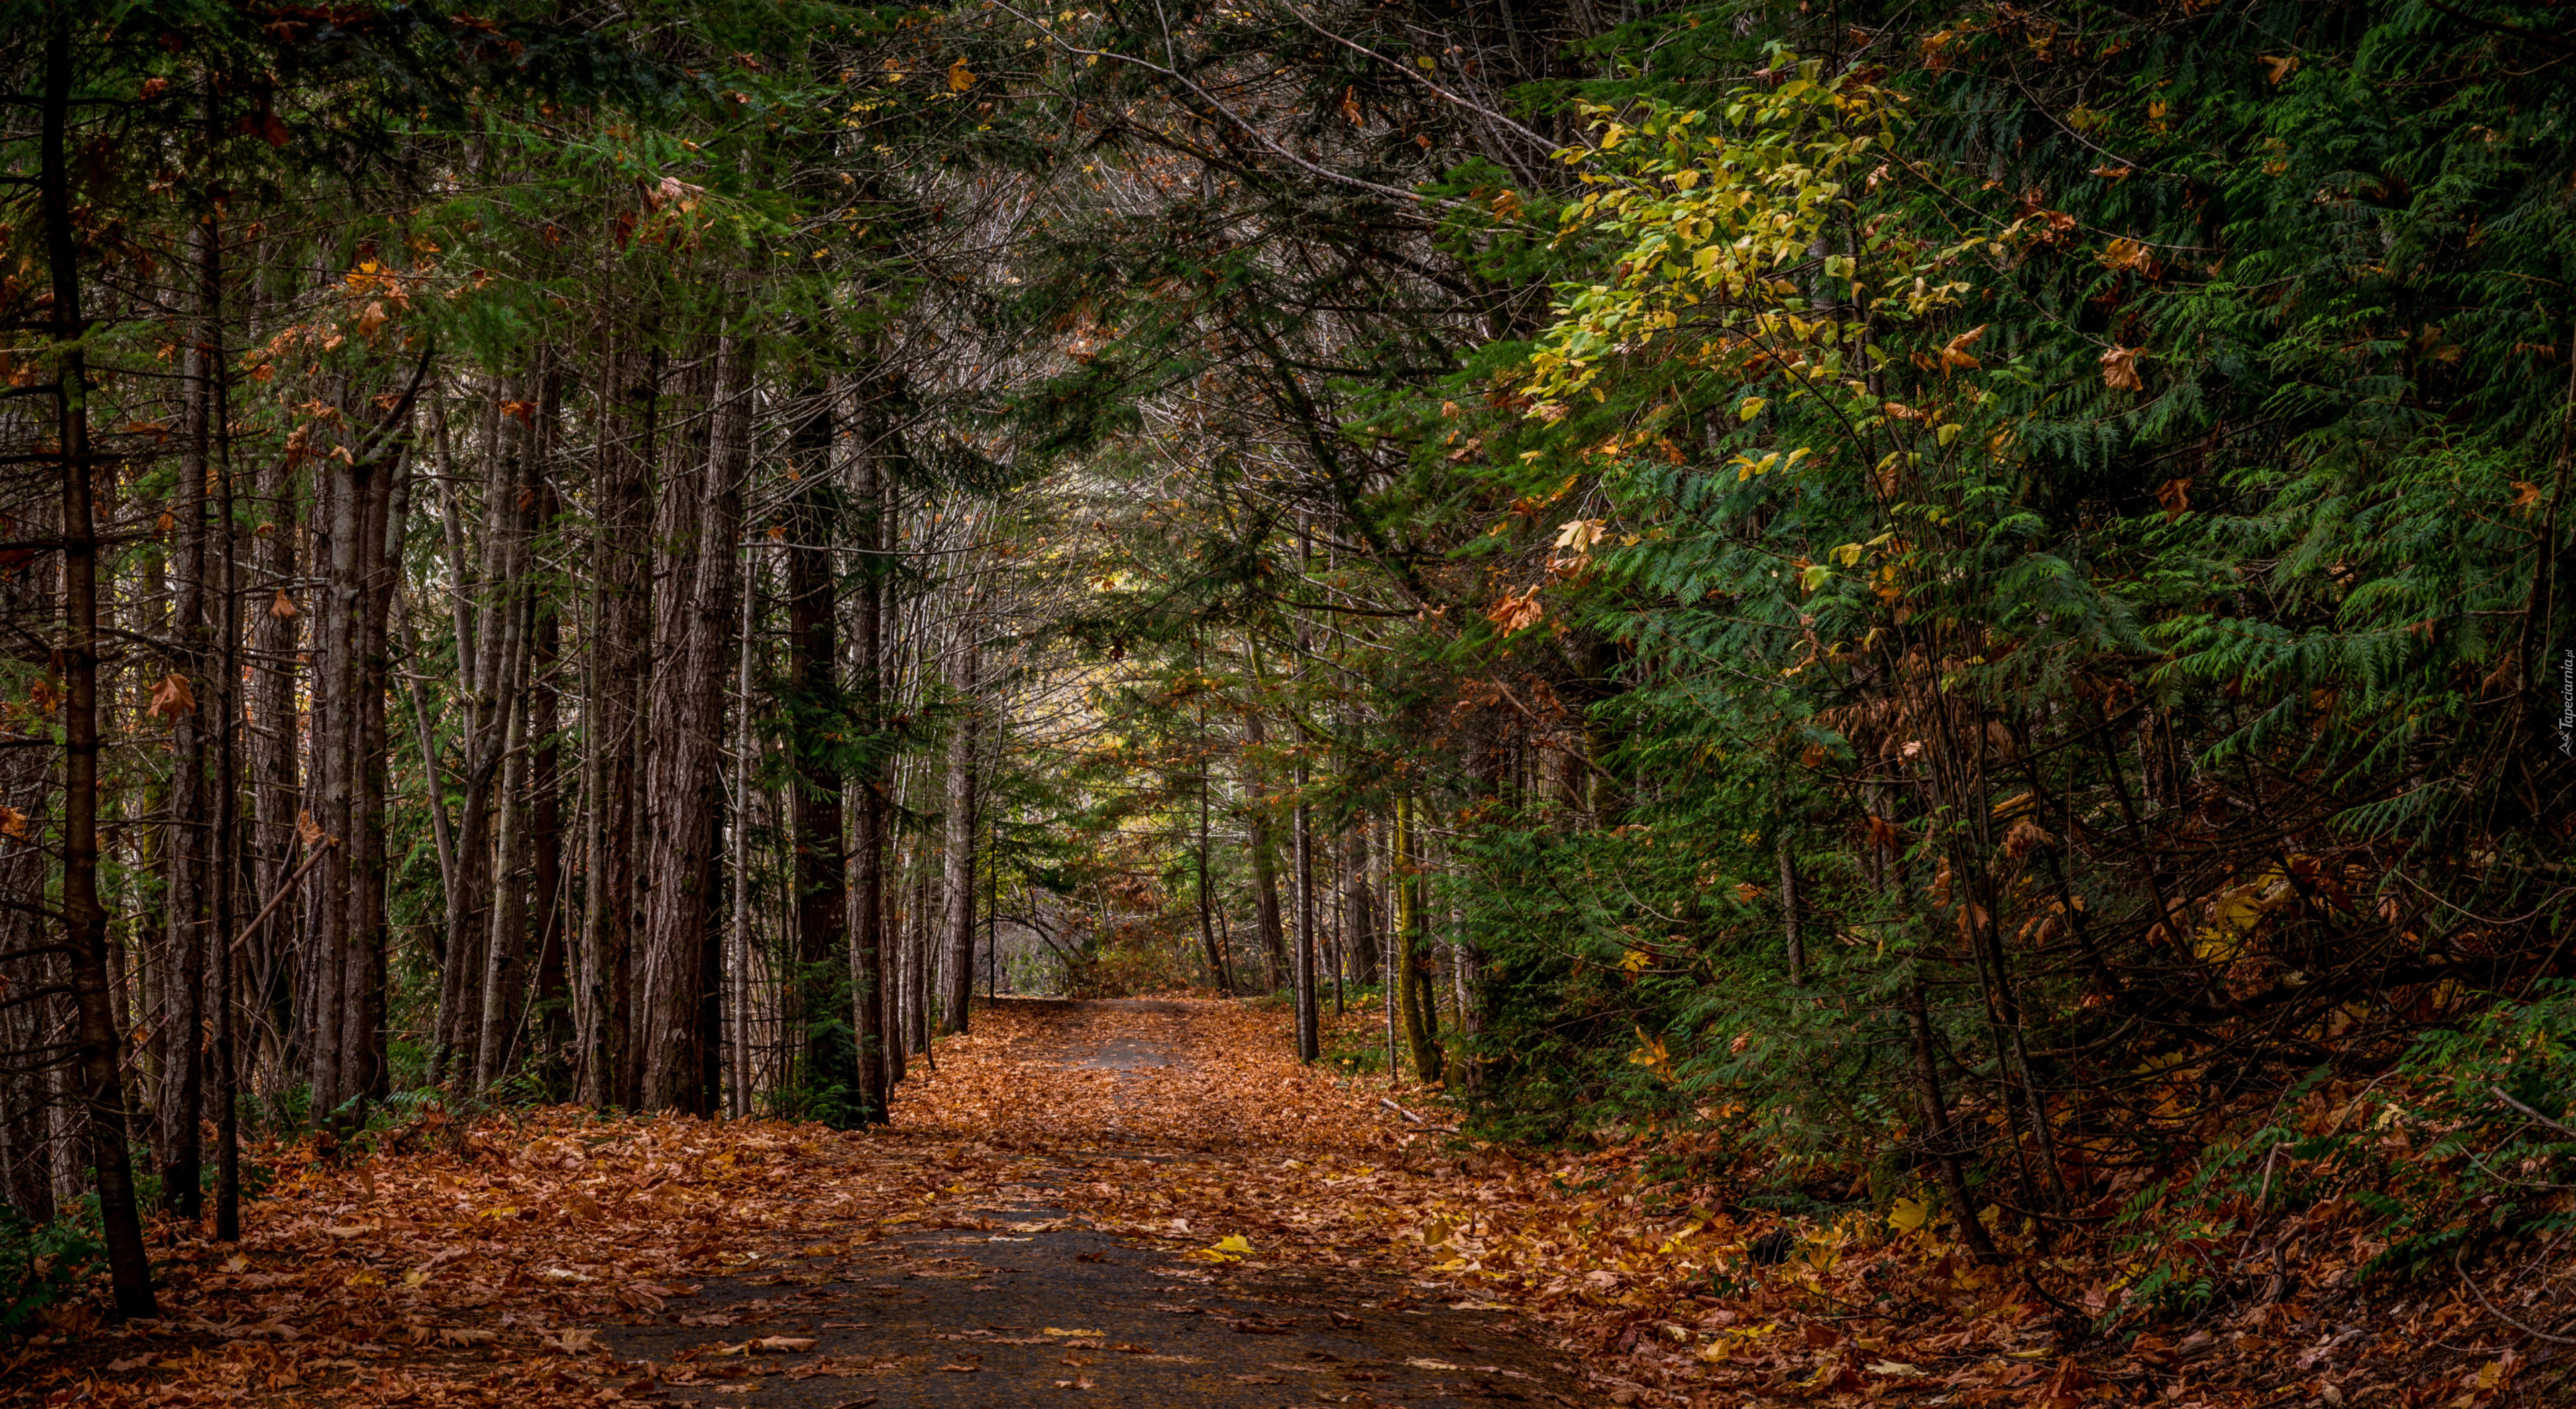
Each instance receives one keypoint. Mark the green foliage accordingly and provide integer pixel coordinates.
(44, 1264)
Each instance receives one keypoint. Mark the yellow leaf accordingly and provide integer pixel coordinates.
(1908, 1215)
(960, 77)
(1233, 1247)
(1061, 1331)
(1751, 408)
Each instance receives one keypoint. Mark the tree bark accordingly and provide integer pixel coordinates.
(1308, 1014)
(865, 904)
(685, 781)
(1789, 930)
(828, 1056)
(961, 842)
(621, 626)
(1265, 853)
(1359, 929)
(1408, 951)
(85, 922)
(187, 851)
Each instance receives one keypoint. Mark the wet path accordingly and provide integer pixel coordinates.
(1032, 1306)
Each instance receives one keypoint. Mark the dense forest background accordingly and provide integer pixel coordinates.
(1967, 596)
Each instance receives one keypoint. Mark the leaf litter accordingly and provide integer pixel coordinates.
(475, 1270)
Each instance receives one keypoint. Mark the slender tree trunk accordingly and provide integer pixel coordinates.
(229, 852)
(1308, 1034)
(865, 904)
(489, 640)
(1359, 935)
(739, 942)
(85, 922)
(1409, 951)
(552, 1025)
(1789, 914)
(1937, 1126)
(333, 751)
(961, 840)
(506, 918)
(924, 962)
(188, 850)
(1218, 970)
(1265, 854)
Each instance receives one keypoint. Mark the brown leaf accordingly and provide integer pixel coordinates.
(1516, 611)
(2174, 497)
(1885, 833)
(283, 608)
(1955, 354)
(2120, 370)
(2026, 836)
(13, 823)
(172, 698)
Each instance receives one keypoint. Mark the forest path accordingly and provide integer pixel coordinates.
(1145, 1202)
(1015, 1290)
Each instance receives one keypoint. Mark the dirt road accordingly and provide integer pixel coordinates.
(1019, 1297)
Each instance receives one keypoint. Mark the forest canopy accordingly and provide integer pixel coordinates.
(1970, 598)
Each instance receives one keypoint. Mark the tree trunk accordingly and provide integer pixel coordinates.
(865, 905)
(84, 921)
(829, 1057)
(1937, 1127)
(1308, 1016)
(1359, 926)
(489, 626)
(187, 851)
(621, 627)
(1789, 915)
(686, 779)
(505, 921)
(961, 842)
(1408, 952)
(552, 1018)
(1265, 854)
